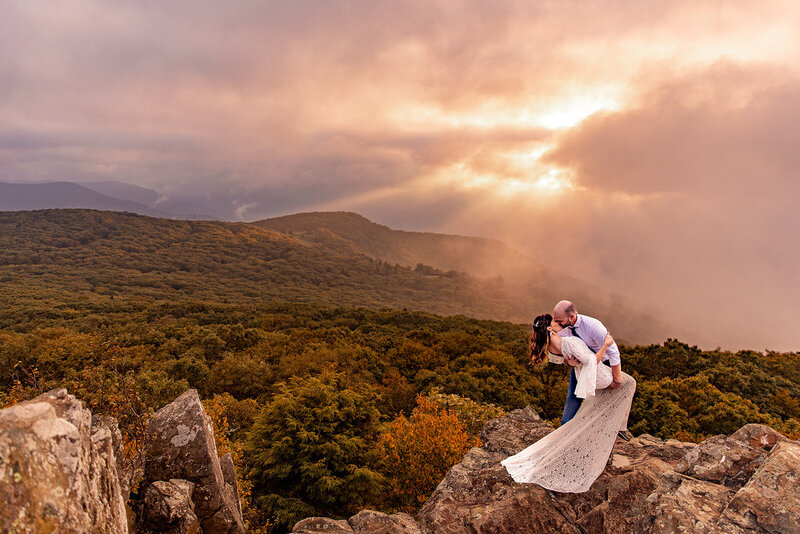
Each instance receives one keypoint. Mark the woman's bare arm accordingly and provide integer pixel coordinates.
(607, 343)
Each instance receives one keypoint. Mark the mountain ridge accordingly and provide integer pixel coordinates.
(442, 251)
(100, 254)
(65, 195)
(101, 195)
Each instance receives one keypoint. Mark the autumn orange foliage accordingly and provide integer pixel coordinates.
(416, 452)
(216, 410)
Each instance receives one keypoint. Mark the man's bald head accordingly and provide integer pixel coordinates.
(564, 313)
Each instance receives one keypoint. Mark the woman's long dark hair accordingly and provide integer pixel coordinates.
(540, 338)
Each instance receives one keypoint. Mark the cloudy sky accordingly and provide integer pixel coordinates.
(648, 147)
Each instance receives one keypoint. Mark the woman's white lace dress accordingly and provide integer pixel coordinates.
(570, 458)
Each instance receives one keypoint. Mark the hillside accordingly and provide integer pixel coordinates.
(128, 312)
(531, 286)
(344, 230)
(58, 255)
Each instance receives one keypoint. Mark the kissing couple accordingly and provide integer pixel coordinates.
(570, 458)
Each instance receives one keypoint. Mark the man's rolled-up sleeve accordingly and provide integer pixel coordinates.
(613, 354)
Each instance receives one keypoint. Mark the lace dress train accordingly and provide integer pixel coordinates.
(570, 458)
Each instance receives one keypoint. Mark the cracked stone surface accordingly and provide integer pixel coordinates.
(168, 507)
(364, 522)
(743, 483)
(180, 445)
(478, 495)
(58, 468)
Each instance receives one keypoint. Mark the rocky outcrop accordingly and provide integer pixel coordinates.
(180, 446)
(59, 472)
(478, 495)
(364, 522)
(167, 507)
(743, 483)
(58, 468)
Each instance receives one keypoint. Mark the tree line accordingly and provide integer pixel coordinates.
(329, 410)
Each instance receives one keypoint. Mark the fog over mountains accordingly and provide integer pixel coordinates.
(19, 197)
(534, 278)
(121, 196)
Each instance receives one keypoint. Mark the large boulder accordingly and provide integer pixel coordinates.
(478, 495)
(770, 501)
(168, 507)
(58, 468)
(745, 482)
(180, 445)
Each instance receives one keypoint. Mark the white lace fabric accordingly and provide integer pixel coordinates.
(590, 375)
(569, 459)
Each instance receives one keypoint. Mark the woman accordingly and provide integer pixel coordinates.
(570, 458)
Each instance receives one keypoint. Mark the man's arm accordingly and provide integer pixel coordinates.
(616, 375)
(611, 351)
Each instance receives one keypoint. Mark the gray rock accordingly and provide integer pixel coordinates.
(317, 525)
(364, 522)
(730, 460)
(372, 522)
(167, 507)
(180, 445)
(686, 504)
(125, 477)
(58, 470)
(229, 475)
(745, 482)
(770, 501)
(515, 431)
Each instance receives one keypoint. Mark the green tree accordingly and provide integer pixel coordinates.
(308, 450)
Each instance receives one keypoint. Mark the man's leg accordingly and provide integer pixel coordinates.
(573, 402)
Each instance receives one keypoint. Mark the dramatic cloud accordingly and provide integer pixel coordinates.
(647, 147)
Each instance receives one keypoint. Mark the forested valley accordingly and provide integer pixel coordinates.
(330, 387)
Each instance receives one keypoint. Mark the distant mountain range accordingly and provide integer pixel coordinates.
(517, 286)
(18, 197)
(120, 196)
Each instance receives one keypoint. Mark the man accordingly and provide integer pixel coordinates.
(593, 333)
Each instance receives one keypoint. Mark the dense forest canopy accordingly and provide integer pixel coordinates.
(102, 255)
(329, 394)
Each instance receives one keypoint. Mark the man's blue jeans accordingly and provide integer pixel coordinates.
(573, 403)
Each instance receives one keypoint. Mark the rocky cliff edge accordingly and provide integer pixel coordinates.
(61, 471)
(747, 482)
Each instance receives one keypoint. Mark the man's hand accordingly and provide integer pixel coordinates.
(616, 374)
(571, 361)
